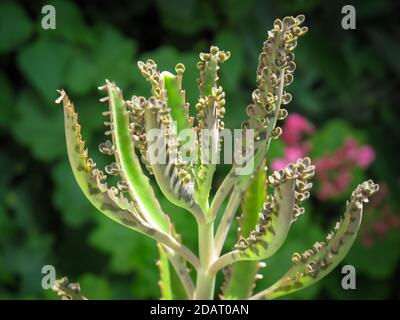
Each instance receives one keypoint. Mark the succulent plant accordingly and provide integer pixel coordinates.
(269, 203)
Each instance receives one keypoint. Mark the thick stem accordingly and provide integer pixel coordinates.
(205, 281)
(221, 194)
(226, 221)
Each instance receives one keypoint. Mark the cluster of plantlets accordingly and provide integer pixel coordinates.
(269, 204)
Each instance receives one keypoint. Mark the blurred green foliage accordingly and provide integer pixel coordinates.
(347, 83)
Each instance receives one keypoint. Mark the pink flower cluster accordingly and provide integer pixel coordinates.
(295, 132)
(334, 174)
(333, 171)
(384, 220)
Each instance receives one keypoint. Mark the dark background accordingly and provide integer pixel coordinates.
(346, 84)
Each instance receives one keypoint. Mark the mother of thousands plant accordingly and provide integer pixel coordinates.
(268, 205)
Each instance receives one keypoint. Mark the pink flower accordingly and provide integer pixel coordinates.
(278, 164)
(365, 156)
(360, 155)
(291, 154)
(294, 129)
(334, 170)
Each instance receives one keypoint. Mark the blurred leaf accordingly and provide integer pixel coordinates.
(365, 288)
(20, 201)
(236, 103)
(69, 23)
(182, 16)
(275, 151)
(145, 284)
(330, 137)
(7, 109)
(184, 222)
(129, 252)
(378, 261)
(68, 198)
(236, 9)
(15, 26)
(81, 75)
(27, 243)
(388, 48)
(300, 5)
(94, 287)
(44, 63)
(231, 71)
(178, 8)
(6, 225)
(90, 117)
(41, 131)
(34, 250)
(113, 57)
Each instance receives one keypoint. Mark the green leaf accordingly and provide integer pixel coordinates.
(8, 113)
(15, 26)
(166, 58)
(70, 25)
(236, 10)
(108, 201)
(165, 275)
(78, 211)
(81, 75)
(330, 137)
(211, 109)
(253, 202)
(170, 285)
(36, 250)
(133, 251)
(366, 288)
(386, 248)
(387, 48)
(95, 288)
(240, 279)
(134, 256)
(138, 183)
(38, 128)
(176, 100)
(291, 187)
(113, 54)
(181, 16)
(316, 263)
(44, 69)
(174, 177)
(301, 236)
(232, 71)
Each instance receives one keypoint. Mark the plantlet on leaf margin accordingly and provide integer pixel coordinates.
(266, 217)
